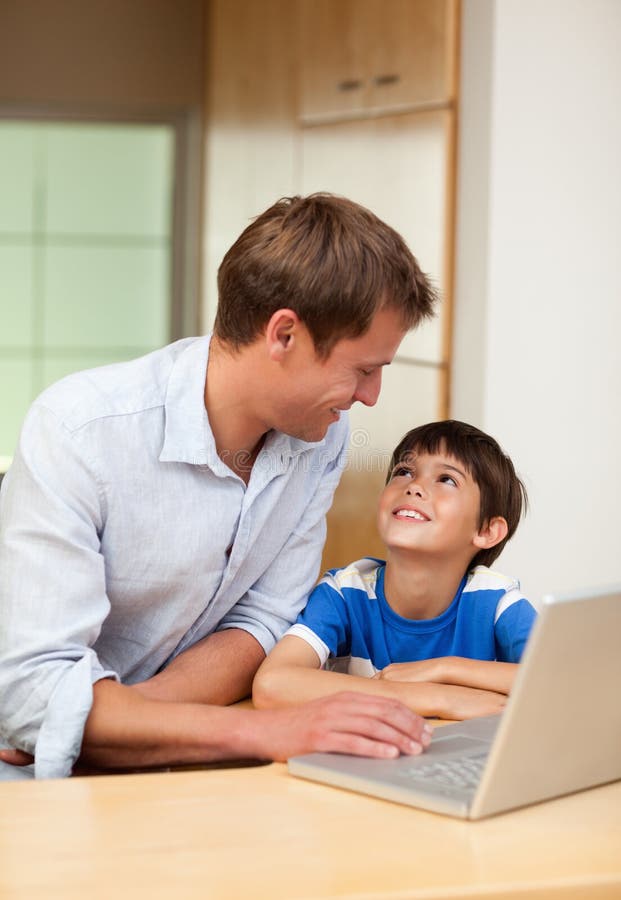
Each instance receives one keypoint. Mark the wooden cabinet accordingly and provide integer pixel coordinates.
(397, 166)
(376, 114)
(356, 97)
(251, 138)
(374, 55)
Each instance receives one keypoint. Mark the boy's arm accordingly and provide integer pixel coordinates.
(457, 670)
(290, 675)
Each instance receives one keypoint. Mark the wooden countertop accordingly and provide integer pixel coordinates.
(260, 833)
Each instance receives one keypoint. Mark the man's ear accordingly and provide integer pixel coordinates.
(280, 333)
(491, 533)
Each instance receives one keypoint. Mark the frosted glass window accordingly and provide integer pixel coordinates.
(129, 196)
(112, 296)
(16, 296)
(17, 179)
(86, 228)
(16, 375)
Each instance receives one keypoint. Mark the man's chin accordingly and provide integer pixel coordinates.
(310, 434)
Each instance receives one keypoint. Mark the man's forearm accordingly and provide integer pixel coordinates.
(174, 717)
(126, 729)
(217, 670)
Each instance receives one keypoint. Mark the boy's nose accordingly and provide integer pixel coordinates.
(416, 489)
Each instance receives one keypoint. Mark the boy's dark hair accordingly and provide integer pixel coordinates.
(330, 260)
(502, 491)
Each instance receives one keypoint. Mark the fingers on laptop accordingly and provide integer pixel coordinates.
(354, 723)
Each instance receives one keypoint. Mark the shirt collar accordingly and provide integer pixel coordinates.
(187, 434)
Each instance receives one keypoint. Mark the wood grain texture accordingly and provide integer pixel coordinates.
(261, 833)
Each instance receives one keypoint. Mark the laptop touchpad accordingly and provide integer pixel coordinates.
(443, 746)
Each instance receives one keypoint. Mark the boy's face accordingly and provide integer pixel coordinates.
(431, 505)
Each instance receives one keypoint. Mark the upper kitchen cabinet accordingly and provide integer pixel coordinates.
(364, 57)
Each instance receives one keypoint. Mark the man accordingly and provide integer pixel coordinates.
(162, 523)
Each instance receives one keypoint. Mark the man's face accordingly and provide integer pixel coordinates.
(431, 505)
(317, 391)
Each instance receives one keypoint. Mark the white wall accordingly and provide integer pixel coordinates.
(538, 297)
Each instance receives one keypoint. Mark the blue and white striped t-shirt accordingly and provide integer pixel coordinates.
(351, 626)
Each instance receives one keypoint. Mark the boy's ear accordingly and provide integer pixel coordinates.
(491, 533)
(280, 333)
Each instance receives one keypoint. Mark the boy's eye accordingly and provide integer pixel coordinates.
(399, 471)
(448, 479)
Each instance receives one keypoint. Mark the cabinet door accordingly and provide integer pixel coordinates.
(397, 166)
(410, 53)
(333, 64)
(369, 56)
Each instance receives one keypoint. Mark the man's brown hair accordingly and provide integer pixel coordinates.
(502, 491)
(328, 259)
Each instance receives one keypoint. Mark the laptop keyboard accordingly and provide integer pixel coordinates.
(458, 772)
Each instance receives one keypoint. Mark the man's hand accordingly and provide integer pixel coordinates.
(16, 757)
(346, 722)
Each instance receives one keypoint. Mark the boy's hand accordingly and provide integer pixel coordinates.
(486, 675)
(444, 698)
(456, 702)
(424, 670)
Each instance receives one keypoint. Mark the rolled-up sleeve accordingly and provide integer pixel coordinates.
(269, 608)
(52, 594)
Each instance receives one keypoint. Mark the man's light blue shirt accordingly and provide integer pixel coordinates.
(124, 539)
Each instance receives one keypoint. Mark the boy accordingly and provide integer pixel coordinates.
(433, 626)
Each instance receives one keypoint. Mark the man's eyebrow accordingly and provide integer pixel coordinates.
(376, 365)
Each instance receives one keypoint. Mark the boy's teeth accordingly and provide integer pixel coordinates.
(410, 514)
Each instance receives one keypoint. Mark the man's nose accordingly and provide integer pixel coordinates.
(369, 387)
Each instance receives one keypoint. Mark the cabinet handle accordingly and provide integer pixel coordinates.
(349, 84)
(386, 80)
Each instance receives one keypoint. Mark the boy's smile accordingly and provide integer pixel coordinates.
(408, 512)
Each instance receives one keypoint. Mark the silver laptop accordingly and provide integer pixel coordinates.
(560, 731)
